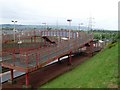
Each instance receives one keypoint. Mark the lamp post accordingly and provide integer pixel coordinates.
(69, 20)
(19, 42)
(14, 29)
(45, 25)
(80, 24)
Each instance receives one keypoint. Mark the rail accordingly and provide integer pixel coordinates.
(29, 57)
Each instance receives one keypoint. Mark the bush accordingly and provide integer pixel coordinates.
(113, 43)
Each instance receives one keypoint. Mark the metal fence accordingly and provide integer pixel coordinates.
(33, 54)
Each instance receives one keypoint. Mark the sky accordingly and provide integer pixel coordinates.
(104, 13)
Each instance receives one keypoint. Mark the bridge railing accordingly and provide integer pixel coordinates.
(41, 55)
(37, 56)
(28, 34)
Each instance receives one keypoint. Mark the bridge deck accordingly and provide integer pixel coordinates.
(23, 59)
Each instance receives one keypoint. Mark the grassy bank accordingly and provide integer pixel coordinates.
(100, 71)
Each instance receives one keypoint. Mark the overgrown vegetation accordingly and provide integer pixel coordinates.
(111, 35)
(111, 44)
(101, 71)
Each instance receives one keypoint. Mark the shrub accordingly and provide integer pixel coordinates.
(113, 43)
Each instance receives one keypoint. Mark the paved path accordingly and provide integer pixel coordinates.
(6, 76)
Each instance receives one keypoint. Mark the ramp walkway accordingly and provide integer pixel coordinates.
(31, 54)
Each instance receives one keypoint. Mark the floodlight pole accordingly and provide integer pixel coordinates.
(45, 25)
(79, 25)
(69, 20)
(14, 29)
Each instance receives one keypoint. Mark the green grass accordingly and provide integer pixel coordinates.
(100, 71)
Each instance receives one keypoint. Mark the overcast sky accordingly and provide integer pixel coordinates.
(104, 12)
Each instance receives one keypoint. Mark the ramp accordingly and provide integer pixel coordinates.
(48, 40)
(30, 59)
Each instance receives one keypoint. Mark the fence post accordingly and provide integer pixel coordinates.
(13, 54)
(27, 59)
(27, 80)
(37, 58)
(91, 47)
(70, 58)
(34, 36)
(12, 76)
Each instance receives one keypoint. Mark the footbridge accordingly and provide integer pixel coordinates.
(27, 51)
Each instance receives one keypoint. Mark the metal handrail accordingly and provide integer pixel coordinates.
(36, 56)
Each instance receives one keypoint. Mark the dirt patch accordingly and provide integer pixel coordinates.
(112, 86)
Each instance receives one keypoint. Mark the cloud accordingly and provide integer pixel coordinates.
(37, 11)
